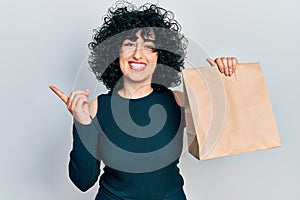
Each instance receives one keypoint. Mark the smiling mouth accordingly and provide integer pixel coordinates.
(137, 66)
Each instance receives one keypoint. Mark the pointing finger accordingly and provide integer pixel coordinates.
(59, 93)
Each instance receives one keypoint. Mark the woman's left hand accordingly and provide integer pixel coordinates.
(226, 65)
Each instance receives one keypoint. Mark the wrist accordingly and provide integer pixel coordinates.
(83, 121)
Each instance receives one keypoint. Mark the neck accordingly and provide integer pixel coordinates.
(134, 91)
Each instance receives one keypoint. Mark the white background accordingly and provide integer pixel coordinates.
(44, 42)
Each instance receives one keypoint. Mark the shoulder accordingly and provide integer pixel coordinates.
(94, 104)
(179, 97)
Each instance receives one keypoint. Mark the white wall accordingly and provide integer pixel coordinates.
(44, 42)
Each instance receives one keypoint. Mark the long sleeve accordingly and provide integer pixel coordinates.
(84, 168)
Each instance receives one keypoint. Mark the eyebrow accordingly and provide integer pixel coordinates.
(145, 40)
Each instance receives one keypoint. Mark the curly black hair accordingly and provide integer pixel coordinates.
(122, 22)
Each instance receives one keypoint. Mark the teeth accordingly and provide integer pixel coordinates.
(137, 66)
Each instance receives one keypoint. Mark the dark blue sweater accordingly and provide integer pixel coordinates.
(140, 154)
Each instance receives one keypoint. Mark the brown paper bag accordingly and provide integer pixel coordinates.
(228, 115)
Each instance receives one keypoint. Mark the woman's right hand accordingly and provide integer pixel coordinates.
(77, 103)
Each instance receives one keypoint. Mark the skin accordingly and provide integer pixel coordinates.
(78, 105)
(137, 81)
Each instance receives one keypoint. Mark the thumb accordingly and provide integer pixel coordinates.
(211, 62)
(87, 92)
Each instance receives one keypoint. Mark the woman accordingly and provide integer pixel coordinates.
(137, 53)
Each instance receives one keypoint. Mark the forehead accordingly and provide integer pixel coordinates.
(143, 33)
(147, 34)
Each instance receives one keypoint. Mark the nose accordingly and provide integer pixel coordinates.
(138, 53)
